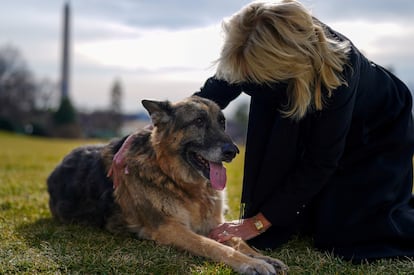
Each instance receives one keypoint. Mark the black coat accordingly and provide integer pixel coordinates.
(343, 174)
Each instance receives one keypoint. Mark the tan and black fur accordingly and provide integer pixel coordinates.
(165, 193)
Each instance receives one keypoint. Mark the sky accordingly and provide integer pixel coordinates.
(165, 50)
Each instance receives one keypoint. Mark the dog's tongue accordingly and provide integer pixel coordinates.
(218, 176)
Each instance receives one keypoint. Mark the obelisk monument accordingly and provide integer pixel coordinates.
(65, 70)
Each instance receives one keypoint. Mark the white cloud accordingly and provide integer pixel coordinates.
(367, 35)
(156, 49)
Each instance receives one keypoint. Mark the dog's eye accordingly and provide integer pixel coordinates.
(200, 122)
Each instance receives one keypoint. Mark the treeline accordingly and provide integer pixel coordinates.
(32, 106)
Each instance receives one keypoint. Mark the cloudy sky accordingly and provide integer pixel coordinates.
(165, 49)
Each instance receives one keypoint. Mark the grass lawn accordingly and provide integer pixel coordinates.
(31, 242)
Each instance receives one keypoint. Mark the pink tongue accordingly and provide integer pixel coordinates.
(217, 176)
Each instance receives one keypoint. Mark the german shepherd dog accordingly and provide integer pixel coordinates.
(165, 184)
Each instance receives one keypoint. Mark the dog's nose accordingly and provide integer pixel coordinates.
(229, 151)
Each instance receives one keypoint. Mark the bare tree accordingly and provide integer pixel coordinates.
(115, 109)
(116, 97)
(47, 95)
(17, 86)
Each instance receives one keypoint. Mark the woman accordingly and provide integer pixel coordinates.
(330, 136)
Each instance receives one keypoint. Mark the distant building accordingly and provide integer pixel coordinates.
(133, 123)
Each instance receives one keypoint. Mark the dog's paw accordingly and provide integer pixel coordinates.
(278, 265)
(257, 267)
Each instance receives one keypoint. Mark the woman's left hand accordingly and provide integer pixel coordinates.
(226, 231)
(244, 229)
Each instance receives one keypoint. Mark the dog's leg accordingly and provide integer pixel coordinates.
(243, 247)
(179, 235)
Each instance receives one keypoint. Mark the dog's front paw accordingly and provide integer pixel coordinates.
(278, 265)
(257, 267)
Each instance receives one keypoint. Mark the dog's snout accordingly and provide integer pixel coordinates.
(229, 151)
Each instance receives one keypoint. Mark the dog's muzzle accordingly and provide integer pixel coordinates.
(229, 151)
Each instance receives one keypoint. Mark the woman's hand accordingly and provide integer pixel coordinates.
(245, 229)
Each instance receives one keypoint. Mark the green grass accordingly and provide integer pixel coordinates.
(31, 242)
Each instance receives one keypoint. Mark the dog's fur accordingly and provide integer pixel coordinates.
(165, 193)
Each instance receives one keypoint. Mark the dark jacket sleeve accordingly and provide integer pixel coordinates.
(219, 91)
(323, 148)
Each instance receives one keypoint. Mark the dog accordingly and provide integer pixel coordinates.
(165, 184)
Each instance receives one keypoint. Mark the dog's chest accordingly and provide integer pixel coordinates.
(205, 213)
(143, 204)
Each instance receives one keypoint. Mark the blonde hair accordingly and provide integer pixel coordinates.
(281, 41)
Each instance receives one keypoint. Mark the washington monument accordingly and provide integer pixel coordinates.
(65, 70)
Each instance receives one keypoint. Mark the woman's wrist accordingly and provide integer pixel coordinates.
(260, 223)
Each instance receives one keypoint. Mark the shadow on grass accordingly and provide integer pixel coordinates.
(78, 249)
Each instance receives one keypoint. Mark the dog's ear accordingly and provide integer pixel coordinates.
(160, 111)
